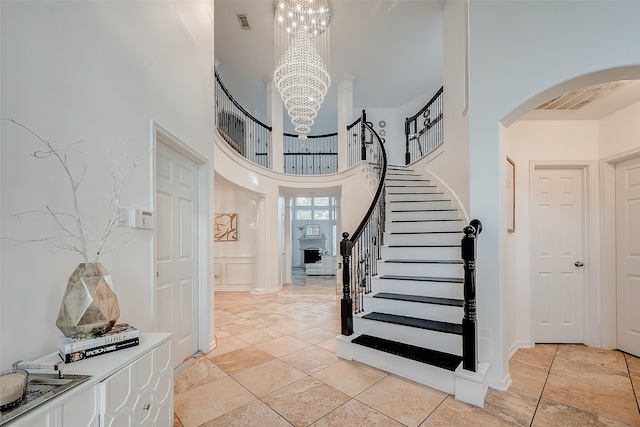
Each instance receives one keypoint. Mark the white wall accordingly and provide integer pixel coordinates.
(620, 131)
(235, 262)
(395, 140)
(514, 65)
(102, 71)
(450, 162)
(528, 141)
(351, 188)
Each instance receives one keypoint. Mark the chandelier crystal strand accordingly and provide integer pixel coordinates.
(301, 75)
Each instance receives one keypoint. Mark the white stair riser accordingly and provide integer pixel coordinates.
(448, 343)
(393, 239)
(419, 226)
(393, 174)
(421, 187)
(413, 287)
(431, 376)
(414, 206)
(395, 179)
(408, 197)
(442, 253)
(441, 313)
(436, 214)
(420, 269)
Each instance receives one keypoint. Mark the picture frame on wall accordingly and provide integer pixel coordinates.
(225, 227)
(511, 196)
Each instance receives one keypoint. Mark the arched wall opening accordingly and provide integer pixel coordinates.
(593, 145)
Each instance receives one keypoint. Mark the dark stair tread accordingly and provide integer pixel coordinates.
(424, 210)
(419, 298)
(418, 201)
(423, 246)
(425, 261)
(424, 355)
(412, 194)
(414, 322)
(413, 186)
(424, 220)
(397, 181)
(422, 278)
(429, 232)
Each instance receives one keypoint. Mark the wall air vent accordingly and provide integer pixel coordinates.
(244, 21)
(579, 98)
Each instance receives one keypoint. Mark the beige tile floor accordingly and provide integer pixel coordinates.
(275, 365)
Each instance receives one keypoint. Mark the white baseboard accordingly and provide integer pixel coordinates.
(517, 346)
(501, 385)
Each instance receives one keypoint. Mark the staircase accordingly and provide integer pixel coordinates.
(412, 320)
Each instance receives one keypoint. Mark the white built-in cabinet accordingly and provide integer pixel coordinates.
(132, 387)
(140, 394)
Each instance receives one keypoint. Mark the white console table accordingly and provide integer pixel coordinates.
(128, 387)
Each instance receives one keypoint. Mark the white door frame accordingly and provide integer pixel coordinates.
(592, 304)
(204, 246)
(608, 252)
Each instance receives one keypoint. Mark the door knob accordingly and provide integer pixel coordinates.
(579, 264)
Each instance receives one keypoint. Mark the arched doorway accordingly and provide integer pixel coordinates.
(592, 144)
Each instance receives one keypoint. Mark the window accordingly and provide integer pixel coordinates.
(320, 201)
(303, 214)
(317, 214)
(303, 201)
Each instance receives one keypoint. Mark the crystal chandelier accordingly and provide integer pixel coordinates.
(301, 75)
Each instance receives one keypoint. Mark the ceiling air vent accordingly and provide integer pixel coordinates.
(579, 98)
(244, 21)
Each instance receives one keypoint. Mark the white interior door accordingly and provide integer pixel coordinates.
(176, 257)
(557, 218)
(628, 255)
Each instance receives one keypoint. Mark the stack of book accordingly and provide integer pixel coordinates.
(121, 336)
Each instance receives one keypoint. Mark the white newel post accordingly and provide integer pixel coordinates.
(345, 118)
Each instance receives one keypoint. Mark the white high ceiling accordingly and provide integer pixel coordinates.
(392, 48)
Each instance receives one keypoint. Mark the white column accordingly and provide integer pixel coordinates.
(261, 245)
(288, 236)
(267, 254)
(275, 117)
(345, 118)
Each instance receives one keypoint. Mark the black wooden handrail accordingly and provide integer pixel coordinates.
(427, 132)
(356, 121)
(376, 198)
(365, 243)
(469, 321)
(426, 107)
(237, 105)
(326, 135)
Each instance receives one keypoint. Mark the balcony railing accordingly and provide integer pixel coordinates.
(424, 131)
(243, 132)
(316, 155)
(354, 144)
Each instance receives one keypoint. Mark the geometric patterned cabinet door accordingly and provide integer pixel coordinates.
(140, 394)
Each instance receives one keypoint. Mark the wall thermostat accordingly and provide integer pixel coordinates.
(143, 218)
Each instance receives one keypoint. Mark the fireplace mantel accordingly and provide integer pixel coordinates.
(317, 242)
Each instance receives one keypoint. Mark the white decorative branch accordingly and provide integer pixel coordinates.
(80, 235)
